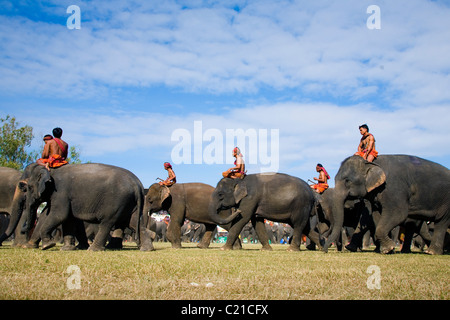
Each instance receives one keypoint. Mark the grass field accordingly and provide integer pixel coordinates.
(192, 273)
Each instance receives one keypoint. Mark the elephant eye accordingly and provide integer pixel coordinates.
(348, 182)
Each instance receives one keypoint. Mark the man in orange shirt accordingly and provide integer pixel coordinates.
(238, 171)
(366, 147)
(322, 180)
(55, 151)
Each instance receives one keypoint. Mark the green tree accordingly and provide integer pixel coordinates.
(73, 156)
(13, 143)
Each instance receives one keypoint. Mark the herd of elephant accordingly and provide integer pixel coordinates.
(106, 200)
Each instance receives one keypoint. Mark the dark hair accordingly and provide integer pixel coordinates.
(57, 132)
(48, 137)
(319, 165)
(364, 126)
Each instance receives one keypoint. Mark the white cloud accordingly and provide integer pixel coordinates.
(323, 47)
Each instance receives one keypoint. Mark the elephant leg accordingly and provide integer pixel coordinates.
(56, 216)
(260, 229)
(234, 232)
(237, 245)
(68, 228)
(410, 227)
(33, 242)
(116, 241)
(206, 240)
(390, 218)
(437, 240)
(174, 233)
(101, 236)
(297, 234)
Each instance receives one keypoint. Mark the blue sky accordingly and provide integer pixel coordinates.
(139, 72)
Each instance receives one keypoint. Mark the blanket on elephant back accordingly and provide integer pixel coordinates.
(54, 161)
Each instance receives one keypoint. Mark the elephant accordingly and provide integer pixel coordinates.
(8, 181)
(96, 193)
(160, 229)
(398, 187)
(274, 196)
(182, 201)
(357, 217)
(248, 232)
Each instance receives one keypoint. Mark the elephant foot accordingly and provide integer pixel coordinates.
(434, 251)
(96, 248)
(266, 248)
(293, 248)
(48, 245)
(226, 248)
(176, 245)
(31, 245)
(351, 247)
(202, 246)
(147, 247)
(387, 250)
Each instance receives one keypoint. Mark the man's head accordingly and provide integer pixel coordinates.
(363, 129)
(319, 167)
(167, 165)
(57, 132)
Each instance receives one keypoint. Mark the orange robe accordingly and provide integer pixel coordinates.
(320, 187)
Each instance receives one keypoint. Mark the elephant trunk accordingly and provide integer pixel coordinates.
(16, 213)
(337, 221)
(214, 214)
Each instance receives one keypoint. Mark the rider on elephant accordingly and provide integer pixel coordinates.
(172, 179)
(366, 147)
(322, 180)
(55, 150)
(238, 171)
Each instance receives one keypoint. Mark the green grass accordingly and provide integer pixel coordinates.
(247, 274)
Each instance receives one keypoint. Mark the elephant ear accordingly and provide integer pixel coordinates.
(375, 177)
(43, 178)
(240, 191)
(165, 193)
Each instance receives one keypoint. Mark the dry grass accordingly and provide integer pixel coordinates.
(248, 274)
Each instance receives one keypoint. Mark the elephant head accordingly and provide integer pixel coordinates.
(227, 195)
(33, 188)
(155, 199)
(356, 179)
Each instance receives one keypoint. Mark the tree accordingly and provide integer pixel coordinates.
(13, 143)
(74, 156)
